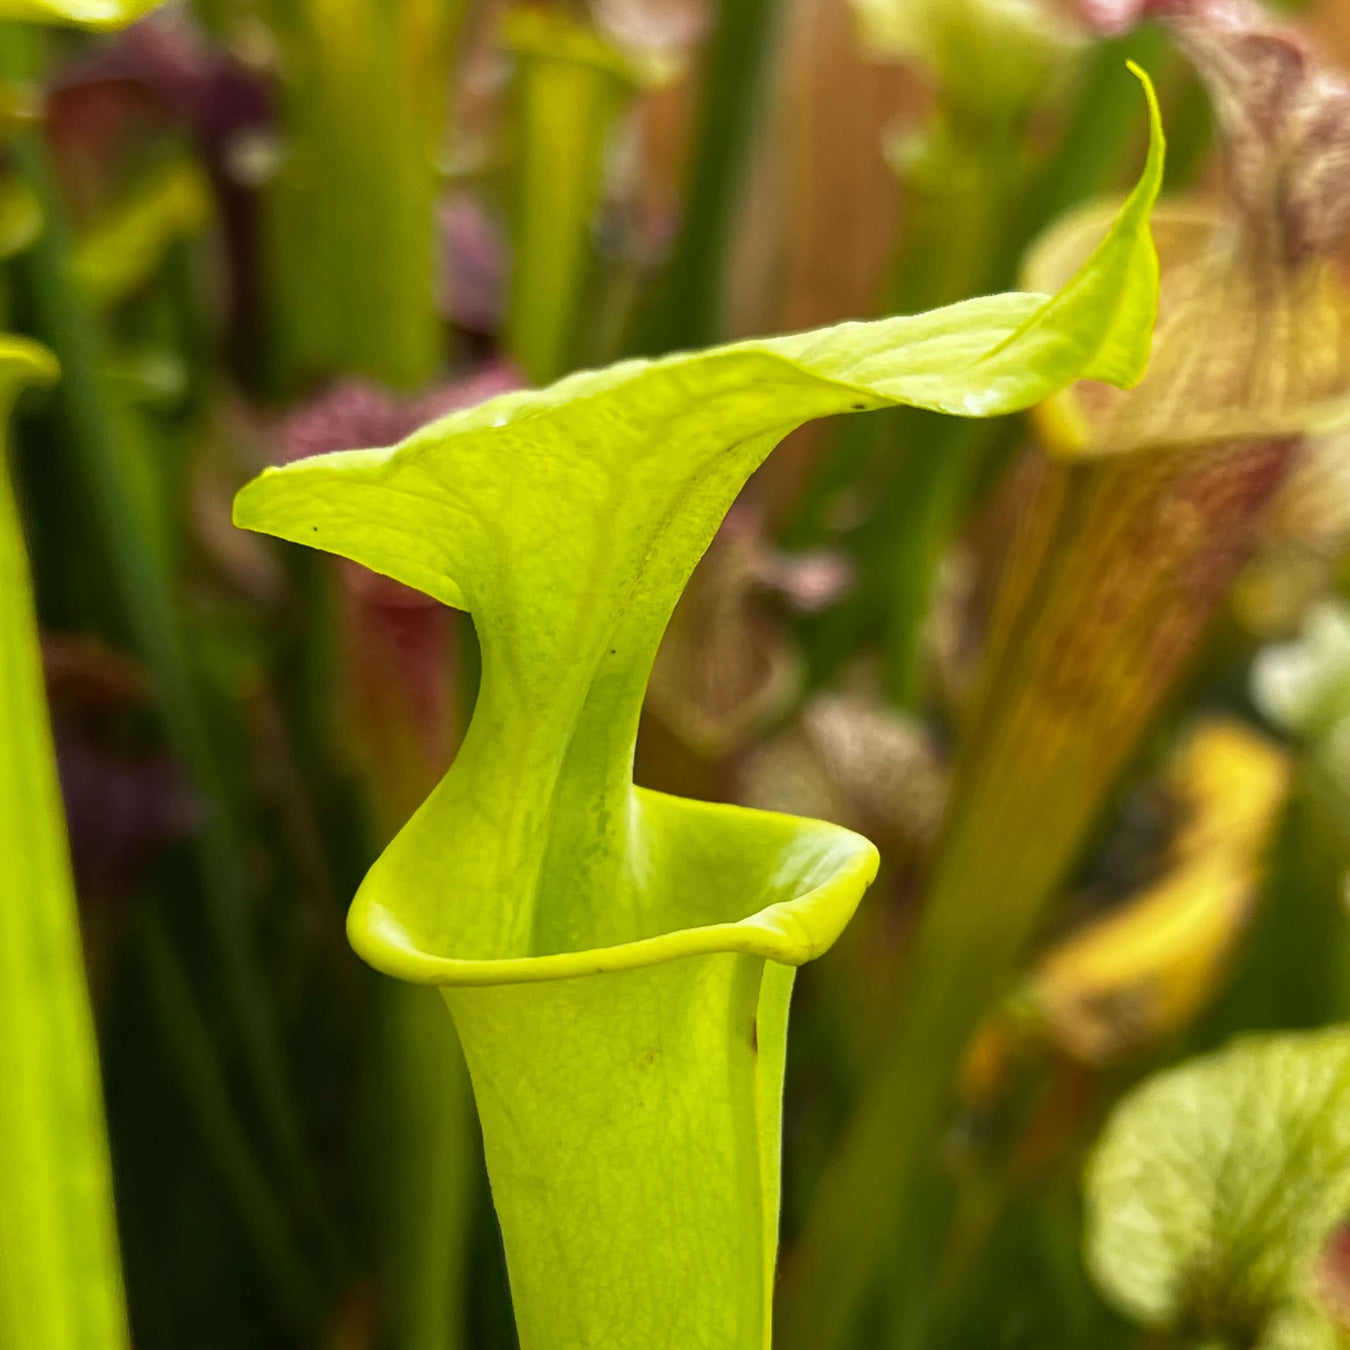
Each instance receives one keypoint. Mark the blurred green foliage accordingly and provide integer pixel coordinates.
(254, 231)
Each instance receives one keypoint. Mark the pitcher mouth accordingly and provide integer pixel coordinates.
(812, 876)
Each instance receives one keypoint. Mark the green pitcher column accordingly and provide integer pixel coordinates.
(618, 962)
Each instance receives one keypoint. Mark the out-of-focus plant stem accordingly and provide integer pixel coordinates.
(685, 308)
(60, 1275)
(1295, 969)
(197, 1068)
(570, 86)
(945, 258)
(1111, 577)
(352, 213)
(429, 1165)
(432, 1165)
(101, 467)
(934, 486)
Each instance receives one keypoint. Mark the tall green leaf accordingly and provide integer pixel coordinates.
(60, 1278)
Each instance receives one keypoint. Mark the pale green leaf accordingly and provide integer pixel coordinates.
(1215, 1186)
(618, 961)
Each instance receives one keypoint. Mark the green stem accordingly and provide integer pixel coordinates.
(685, 309)
(569, 88)
(197, 1070)
(351, 218)
(945, 260)
(430, 1165)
